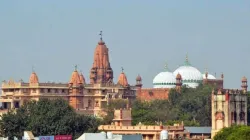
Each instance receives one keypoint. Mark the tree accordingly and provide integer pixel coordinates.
(46, 117)
(192, 106)
(233, 133)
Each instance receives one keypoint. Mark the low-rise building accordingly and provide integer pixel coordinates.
(122, 125)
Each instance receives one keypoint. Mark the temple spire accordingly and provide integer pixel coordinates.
(122, 69)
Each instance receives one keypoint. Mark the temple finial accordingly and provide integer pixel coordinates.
(187, 57)
(166, 66)
(186, 61)
(100, 35)
(122, 69)
(206, 70)
(75, 67)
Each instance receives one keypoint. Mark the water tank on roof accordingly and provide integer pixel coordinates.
(109, 135)
(164, 135)
(104, 134)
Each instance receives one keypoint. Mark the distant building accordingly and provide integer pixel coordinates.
(122, 125)
(186, 75)
(88, 98)
(108, 136)
(229, 107)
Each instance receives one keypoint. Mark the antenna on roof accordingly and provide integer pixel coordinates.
(75, 67)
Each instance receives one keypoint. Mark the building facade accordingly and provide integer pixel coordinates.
(229, 107)
(88, 98)
(122, 125)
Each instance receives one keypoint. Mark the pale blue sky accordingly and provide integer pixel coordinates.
(142, 35)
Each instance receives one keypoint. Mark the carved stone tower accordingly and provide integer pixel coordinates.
(228, 107)
(76, 90)
(101, 71)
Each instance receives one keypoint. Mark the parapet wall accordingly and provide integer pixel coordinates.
(140, 128)
(153, 93)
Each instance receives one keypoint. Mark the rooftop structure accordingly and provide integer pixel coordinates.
(122, 125)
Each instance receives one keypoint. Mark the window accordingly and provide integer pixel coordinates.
(24, 90)
(42, 90)
(96, 103)
(49, 90)
(63, 91)
(89, 103)
(242, 116)
(33, 90)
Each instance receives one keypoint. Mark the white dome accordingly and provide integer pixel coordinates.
(209, 76)
(191, 76)
(164, 80)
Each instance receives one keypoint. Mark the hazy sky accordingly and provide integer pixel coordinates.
(141, 35)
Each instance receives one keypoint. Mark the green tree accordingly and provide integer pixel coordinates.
(233, 133)
(192, 106)
(46, 117)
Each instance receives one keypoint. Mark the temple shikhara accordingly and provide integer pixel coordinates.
(87, 98)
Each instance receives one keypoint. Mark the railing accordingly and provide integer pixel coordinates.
(142, 128)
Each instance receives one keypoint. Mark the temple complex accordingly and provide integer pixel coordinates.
(87, 98)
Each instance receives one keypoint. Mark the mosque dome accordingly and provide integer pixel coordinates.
(164, 79)
(191, 76)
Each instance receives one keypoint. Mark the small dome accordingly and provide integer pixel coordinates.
(138, 78)
(209, 76)
(123, 79)
(191, 76)
(75, 78)
(164, 80)
(244, 79)
(82, 79)
(33, 78)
